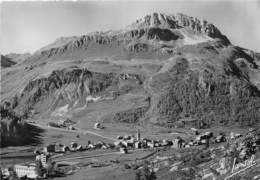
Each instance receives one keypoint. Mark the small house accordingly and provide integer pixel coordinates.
(97, 126)
(137, 145)
(150, 144)
(73, 146)
(50, 148)
(123, 150)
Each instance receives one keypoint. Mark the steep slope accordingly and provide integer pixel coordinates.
(160, 69)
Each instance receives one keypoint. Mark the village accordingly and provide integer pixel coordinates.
(48, 158)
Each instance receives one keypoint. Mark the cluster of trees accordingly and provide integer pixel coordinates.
(131, 115)
(14, 132)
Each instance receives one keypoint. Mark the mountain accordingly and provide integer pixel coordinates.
(6, 62)
(160, 69)
(154, 35)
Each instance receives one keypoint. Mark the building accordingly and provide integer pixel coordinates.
(97, 126)
(28, 171)
(138, 145)
(123, 150)
(138, 135)
(50, 148)
(150, 144)
(73, 146)
(178, 143)
(43, 159)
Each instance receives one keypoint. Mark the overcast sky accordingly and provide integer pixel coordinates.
(28, 26)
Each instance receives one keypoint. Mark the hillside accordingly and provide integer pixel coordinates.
(159, 69)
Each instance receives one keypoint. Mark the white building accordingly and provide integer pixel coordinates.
(28, 171)
(43, 158)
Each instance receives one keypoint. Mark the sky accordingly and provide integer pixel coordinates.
(28, 26)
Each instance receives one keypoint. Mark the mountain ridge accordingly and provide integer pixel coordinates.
(141, 36)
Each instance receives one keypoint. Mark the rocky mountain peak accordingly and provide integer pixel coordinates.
(169, 21)
(178, 21)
